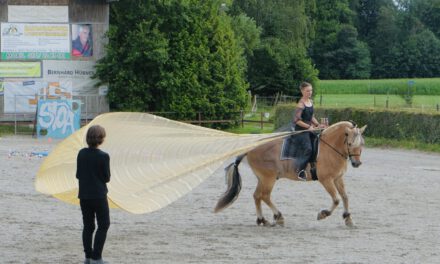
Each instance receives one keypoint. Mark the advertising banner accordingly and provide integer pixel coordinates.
(24, 69)
(21, 41)
(38, 14)
(79, 72)
(22, 97)
(58, 118)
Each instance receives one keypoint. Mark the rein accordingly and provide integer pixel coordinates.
(342, 155)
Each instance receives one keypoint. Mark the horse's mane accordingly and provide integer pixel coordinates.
(336, 126)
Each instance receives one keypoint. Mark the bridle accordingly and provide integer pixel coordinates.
(337, 151)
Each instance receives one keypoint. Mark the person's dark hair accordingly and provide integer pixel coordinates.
(95, 136)
(304, 85)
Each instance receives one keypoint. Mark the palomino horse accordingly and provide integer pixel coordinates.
(339, 143)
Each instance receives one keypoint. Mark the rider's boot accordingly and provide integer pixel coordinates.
(302, 175)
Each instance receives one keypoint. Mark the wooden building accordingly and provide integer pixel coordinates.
(44, 56)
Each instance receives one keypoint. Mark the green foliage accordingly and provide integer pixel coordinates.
(247, 32)
(278, 68)
(419, 103)
(420, 86)
(6, 130)
(397, 125)
(22, 129)
(428, 12)
(178, 56)
(280, 62)
(336, 50)
(402, 36)
(251, 128)
(404, 144)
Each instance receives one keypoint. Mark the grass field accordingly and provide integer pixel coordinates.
(425, 86)
(420, 102)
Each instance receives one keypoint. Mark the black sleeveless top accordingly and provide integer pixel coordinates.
(306, 116)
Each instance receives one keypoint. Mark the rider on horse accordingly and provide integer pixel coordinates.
(304, 120)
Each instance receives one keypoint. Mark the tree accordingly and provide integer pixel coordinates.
(336, 51)
(178, 56)
(385, 43)
(286, 33)
(428, 12)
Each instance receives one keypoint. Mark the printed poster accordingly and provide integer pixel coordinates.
(22, 41)
(22, 69)
(58, 118)
(38, 13)
(79, 72)
(82, 40)
(23, 96)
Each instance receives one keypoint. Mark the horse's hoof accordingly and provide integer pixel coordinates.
(349, 222)
(279, 219)
(323, 214)
(263, 222)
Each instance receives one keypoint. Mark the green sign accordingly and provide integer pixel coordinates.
(35, 55)
(25, 69)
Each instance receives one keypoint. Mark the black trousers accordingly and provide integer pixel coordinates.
(90, 209)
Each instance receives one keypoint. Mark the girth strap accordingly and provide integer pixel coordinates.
(313, 171)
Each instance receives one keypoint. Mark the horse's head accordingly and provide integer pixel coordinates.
(354, 142)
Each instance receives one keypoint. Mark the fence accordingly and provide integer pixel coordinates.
(24, 121)
(259, 118)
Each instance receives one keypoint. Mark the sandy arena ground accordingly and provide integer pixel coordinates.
(394, 199)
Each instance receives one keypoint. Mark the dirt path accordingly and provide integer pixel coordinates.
(394, 200)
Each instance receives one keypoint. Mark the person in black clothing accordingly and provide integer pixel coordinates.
(304, 120)
(93, 172)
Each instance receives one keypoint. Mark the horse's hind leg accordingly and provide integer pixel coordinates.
(258, 195)
(330, 187)
(341, 189)
(277, 216)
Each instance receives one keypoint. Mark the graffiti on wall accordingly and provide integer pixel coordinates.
(58, 118)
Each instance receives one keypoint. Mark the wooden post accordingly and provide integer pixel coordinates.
(438, 107)
(200, 118)
(242, 118)
(386, 103)
(320, 100)
(261, 120)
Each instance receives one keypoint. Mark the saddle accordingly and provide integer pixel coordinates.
(293, 148)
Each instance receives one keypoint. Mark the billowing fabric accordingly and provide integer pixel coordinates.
(154, 160)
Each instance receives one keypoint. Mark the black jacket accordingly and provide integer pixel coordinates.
(92, 172)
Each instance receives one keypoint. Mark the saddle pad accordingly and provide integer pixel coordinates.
(292, 147)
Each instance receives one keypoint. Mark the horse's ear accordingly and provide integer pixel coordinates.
(353, 123)
(363, 129)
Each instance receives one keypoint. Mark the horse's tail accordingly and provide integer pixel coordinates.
(234, 185)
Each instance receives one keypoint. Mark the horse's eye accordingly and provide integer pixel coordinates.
(349, 144)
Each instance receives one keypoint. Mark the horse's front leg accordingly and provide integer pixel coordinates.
(341, 189)
(330, 187)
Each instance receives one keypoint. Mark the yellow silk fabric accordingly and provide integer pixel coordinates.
(153, 160)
